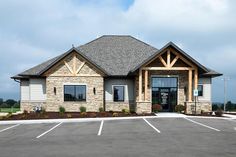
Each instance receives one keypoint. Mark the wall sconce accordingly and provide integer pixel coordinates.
(94, 90)
(55, 90)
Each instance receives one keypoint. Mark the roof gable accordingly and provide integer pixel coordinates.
(203, 69)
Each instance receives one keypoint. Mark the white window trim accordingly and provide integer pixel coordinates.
(123, 93)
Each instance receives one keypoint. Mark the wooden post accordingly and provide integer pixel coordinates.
(145, 85)
(140, 85)
(195, 79)
(190, 85)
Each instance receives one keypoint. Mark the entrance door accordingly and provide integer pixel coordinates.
(164, 97)
(164, 92)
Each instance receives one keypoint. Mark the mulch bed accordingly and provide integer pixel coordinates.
(57, 115)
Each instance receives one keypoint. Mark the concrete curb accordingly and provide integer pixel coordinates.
(73, 120)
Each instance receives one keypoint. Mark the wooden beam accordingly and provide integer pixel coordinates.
(174, 61)
(81, 66)
(69, 67)
(183, 59)
(166, 68)
(140, 85)
(145, 85)
(190, 85)
(168, 58)
(195, 78)
(163, 61)
(74, 64)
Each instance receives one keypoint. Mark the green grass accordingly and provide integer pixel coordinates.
(13, 110)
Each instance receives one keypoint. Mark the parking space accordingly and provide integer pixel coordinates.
(136, 137)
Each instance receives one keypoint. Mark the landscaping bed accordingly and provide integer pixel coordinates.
(58, 115)
(207, 114)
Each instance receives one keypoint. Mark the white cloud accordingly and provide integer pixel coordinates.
(32, 31)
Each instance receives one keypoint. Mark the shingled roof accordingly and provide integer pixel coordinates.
(115, 55)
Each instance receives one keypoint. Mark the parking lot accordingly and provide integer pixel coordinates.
(166, 137)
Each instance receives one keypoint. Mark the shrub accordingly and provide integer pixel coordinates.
(101, 109)
(156, 108)
(115, 114)
(62, 110)
(180, 108)
(125, 111)
(82, 109)
(219, 112)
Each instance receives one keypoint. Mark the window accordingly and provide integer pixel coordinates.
(74, 93)
(200, 90)
(118, 93)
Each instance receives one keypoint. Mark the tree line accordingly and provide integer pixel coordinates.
(9, 103)
(229, 106)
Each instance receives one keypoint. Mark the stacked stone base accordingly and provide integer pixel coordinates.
(143, 107)
(118, 106)
(200, 107)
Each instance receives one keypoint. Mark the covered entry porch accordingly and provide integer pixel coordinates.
(168, 79)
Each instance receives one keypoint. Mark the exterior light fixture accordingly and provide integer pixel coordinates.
(94, 90)
(55, 90)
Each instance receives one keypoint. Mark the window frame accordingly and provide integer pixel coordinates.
(113, 93)
(74, 86)
(202, 90)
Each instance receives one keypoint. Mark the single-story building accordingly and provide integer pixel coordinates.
(117, 72)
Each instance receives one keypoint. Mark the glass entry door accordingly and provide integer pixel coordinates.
(164, 92)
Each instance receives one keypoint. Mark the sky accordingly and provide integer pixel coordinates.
(31, 32)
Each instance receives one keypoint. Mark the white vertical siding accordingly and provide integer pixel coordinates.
(206, 82)
(37, 89)
(128, 91)
(24, 90)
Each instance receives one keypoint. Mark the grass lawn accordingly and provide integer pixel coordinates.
(13, 110)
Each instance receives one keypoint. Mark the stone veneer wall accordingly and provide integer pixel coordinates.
(200, 106)
(30, 105)
(93, 101)
(118, 106)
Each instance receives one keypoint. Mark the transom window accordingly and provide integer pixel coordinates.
(118, 93)
(200, 90)
(74, 93)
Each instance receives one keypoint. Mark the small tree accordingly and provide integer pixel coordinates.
(62, 109)
(82, 109)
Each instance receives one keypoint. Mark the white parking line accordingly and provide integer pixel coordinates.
(100, 129)
(9, 127)
(201, 124)
(48, 130)
(152, 126)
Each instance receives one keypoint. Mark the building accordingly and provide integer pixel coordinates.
(117, 72)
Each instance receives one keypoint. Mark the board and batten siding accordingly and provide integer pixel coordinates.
(206, 82)
(33, 90)
(24, 90)
(128, 89)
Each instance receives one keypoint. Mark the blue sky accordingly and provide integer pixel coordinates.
(34, 31)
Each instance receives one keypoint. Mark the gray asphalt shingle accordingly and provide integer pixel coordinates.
(116, 55)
